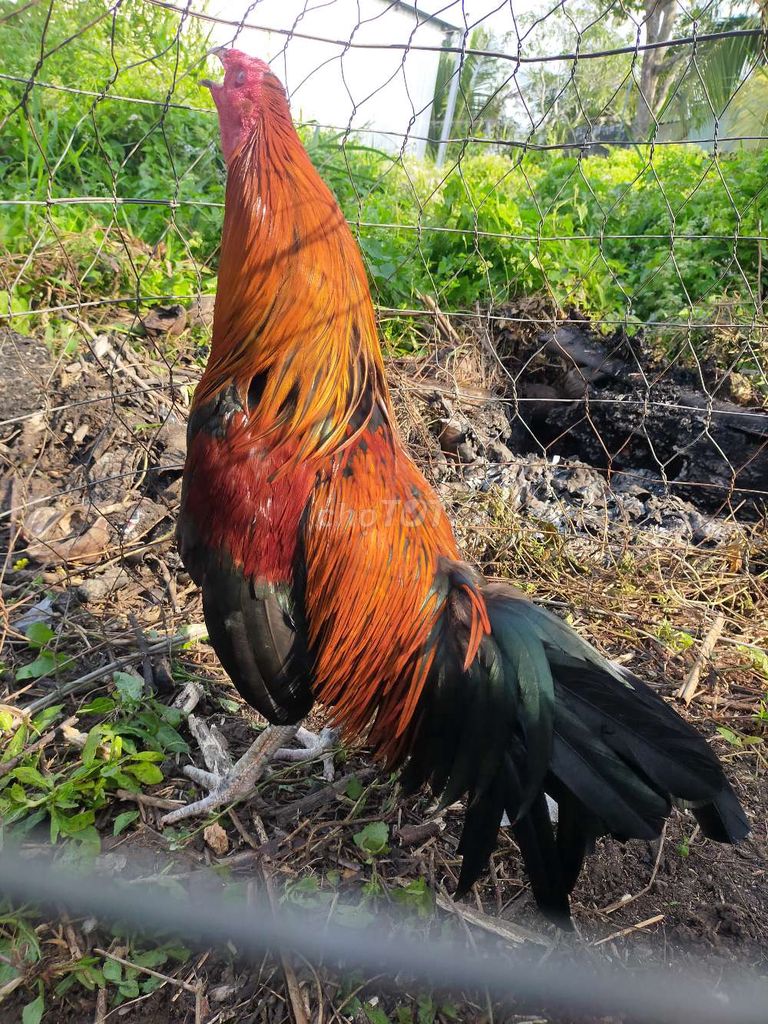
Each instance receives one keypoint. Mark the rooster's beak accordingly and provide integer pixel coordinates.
(217, 51)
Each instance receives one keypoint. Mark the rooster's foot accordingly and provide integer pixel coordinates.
(227, 786)
(315, 745)
(213, 745)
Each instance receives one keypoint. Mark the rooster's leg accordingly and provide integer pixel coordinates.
(315, 745)
(239, 780)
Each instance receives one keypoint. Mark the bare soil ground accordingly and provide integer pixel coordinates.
(92, 449)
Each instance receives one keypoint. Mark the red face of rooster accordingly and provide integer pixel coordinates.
(248, 87)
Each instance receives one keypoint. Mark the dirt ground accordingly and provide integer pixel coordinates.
(92, 448)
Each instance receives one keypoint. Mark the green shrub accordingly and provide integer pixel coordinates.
(638, 235)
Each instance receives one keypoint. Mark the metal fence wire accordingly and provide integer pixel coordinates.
(397, 955)
(562, 208)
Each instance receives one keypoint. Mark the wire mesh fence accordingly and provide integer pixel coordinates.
(562, 212)
(398, 954)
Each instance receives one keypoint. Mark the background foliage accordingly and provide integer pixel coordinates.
(634, 233)
(112, 188)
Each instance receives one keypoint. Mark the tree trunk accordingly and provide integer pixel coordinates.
(660, 18)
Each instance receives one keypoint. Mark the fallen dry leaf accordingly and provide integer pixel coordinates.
(56, 535)
(201, 311)
(216, 838)
(165, 320)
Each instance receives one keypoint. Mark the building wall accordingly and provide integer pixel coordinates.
(383, 94)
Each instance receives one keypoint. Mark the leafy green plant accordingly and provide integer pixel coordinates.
(23, 959)
(677, 639)
(59, 143)
(127, 979)
(416, 897)
(306, 893)
(739, 740)
(425, 1011)
(375, 1014)
(757, 658)
(20, 953)
(373, 839)
(122, 750)
(32, 1013)
(47, 661)
(354, 789)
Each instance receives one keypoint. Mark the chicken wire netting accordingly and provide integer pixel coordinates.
(562, 214)
(562, 211)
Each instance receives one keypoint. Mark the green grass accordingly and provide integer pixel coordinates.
(636, 236)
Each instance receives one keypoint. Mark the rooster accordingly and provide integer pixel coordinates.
(330, 573)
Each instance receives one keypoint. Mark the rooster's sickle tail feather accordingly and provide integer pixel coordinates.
(542, 712)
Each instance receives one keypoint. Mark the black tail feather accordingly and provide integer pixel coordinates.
(722, 820)
(612, 753)
(541, 856)
(577, 830)
(478, 837)
(604, 783)
(639, 728)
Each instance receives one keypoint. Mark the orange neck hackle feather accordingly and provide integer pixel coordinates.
(293, 301)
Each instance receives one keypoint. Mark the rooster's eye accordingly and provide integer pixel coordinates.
(239, 77)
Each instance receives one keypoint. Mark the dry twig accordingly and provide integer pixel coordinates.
(193, 632)
(146, 970)
(291, 981)
(444, 325)
(100, 1015)
(313, 801)
(648, 923)
(503, 929)
(147, 800)
(688, 690)
(624, 901)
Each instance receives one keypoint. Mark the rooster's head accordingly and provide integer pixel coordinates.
(249, 90)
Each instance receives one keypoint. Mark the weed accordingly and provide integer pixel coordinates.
(684, 847)
(415, 897)
(677, 639)
(757, 658)
(596, 220)
(42, 639)
(373, 840)
(127, 980)
(26, 961)
(739, 740)
(122, 750)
